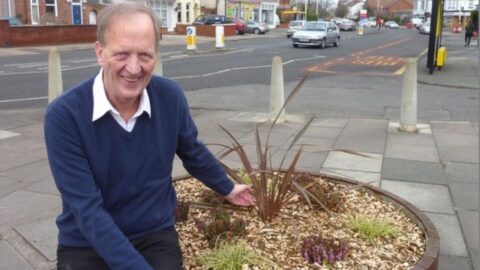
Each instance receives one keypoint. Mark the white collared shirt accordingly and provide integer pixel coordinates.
(101, 105)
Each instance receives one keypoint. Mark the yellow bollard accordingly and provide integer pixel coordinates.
(191, 38)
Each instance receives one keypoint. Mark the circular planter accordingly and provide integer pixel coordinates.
(429, 260)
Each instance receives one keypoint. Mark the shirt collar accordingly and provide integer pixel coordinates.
(101, 104)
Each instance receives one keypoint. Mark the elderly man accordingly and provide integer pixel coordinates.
(111, 143)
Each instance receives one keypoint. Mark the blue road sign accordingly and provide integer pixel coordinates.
(189, 31)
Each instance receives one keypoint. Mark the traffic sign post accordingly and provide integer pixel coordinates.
(191, 38)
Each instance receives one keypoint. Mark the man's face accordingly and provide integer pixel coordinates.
(127, 57)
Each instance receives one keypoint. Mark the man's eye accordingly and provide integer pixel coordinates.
(145, 56)
(120, 55)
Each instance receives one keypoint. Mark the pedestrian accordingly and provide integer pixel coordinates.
(379, 23)
(469, 30)
(111, 142)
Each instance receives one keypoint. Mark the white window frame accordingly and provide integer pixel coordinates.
(54, 5)
(34, 3)
(188, 10)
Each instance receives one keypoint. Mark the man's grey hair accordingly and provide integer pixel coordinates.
(116, 10)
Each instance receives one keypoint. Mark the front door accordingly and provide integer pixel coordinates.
(76, 12)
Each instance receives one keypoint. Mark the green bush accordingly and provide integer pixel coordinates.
(233, 256)
(372, 228)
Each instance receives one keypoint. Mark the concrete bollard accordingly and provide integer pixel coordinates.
(55, 84)
(219, 37)
(408, 110)
(158, 66)
(277, 96)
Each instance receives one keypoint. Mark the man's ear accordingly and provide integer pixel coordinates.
(99, 53)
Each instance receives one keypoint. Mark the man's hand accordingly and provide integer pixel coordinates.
(241, 195)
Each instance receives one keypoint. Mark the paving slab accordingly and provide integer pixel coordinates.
(8, 185)
(330, 122)
(321, 144)
(462, 172)
(426, 197)
(370, 124)
(178, 169)
(453, 127)
(452, 242)
(308, 161)
(446, 262)
(455, 153)
(465, 195)
(453, 139)
(25, 206)
(364, 177)
(45, 185)
(34, 130)
(22, 144)
(10, 159)
(348, 161)
(411, 139)
(412, 152)
(422, 128)
(469, 222)
(30, 172)
(11, 260)
(42, 235)
(475, 258)
(322, 132)
(412, 170)
(372, 144)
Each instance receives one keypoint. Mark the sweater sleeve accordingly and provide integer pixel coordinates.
(80, 195)
(196, 157)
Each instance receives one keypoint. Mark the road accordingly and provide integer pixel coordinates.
(362, 77)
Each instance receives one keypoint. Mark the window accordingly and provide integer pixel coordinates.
(179, 12)
(160, 9)
(187, 8)
(51, 7)
(35, 13)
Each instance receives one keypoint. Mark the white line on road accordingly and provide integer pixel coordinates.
(22, 99)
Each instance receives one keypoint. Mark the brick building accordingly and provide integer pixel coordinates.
(41, 12)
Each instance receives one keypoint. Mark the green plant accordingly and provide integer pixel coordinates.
(220, 226)
(181, 213)
(372, 228)
(316, 249)
(324, 192)
(210, 197)
(233, 256)
(271, 188)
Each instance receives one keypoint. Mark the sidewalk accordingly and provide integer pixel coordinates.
(435, 169)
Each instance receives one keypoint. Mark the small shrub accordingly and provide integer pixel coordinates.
(316, 249)
(233, 256)
(372, 228)
(324, 193)
(181, 213)
(221, 227)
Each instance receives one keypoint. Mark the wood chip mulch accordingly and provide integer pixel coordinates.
(280, 240)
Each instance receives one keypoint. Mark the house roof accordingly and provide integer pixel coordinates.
(387, 3)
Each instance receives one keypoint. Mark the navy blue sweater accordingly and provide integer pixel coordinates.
(116, 186)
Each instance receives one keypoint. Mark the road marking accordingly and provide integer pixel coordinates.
(22, 99)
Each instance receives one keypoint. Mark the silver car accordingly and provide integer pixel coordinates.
(318, 34)
(294, 26)
(256, 27)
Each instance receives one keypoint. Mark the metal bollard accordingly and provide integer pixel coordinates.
(219, 37)
(277, 96)
(55, 83)
(408, 110)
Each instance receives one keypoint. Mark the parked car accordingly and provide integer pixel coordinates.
(256, 27)
(424, 28)
(294, 26)
(318, 34)
(417, 22)
(347, 25)
(240, 26)
(13, 21)
(209, 19)
(391, 24)
(367, 23)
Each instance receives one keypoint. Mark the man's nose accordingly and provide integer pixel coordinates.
(133, 64)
